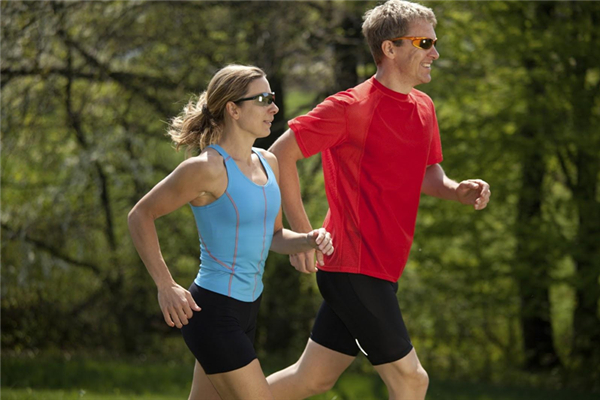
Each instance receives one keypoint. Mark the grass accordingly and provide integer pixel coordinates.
(55, 379)
(33, 394)
(350, 388)
(97, 376)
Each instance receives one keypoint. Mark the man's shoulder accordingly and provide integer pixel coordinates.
(355, 95)
(421, 96)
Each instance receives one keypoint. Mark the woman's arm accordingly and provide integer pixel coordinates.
(190, 180)
(289, 242)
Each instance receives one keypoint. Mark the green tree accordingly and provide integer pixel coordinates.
(87, 89)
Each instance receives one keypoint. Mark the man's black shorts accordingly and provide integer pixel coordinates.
(360, 312)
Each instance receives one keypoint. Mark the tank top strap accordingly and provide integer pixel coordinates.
(260, 157)
(265, 163)
(221, 151)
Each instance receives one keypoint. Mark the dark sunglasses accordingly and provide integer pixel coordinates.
(424, 43)
(263, 99)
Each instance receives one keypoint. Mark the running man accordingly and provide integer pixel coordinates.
(380, 149)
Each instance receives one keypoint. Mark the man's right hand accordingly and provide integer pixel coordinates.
(305, 262)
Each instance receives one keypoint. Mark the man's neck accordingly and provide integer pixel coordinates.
(392, 80)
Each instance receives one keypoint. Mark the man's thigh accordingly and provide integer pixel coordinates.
(368, 310)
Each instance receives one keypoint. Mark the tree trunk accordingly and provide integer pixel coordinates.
(532, 266)
(532, 263)
(345, 54)
(586, 256)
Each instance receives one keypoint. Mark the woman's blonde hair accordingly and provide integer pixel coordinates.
(391, 20)
(202, 120)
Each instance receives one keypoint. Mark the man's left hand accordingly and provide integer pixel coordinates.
(475, 192)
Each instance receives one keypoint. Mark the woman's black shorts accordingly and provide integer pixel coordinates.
(360, 312)
(221, 335)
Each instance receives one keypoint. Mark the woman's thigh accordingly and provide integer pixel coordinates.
(244, 383)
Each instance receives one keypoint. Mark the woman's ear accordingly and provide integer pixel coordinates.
(233, 110)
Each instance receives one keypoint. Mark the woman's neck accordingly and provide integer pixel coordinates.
(237, 146)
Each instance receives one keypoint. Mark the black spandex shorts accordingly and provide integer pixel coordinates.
(360, 312)
(221, 335)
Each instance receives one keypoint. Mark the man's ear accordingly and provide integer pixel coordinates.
(388, 49)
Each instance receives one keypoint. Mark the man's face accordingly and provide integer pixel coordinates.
(414, 64)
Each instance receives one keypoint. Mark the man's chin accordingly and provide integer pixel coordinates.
(424, 80)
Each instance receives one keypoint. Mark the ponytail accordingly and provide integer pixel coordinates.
(196, 127)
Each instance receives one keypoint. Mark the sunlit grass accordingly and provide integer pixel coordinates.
(349, 388)
(94, 379)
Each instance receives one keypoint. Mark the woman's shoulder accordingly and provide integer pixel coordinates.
(266, 154)
(207, 164)
(271, 159)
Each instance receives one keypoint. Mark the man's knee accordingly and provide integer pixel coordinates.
(321, 385)
(422, 377)
(315, 381)
(417, 377)
(405, 376)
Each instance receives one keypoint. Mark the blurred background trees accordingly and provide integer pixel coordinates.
(88, 88)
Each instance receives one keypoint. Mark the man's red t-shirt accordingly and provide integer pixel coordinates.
(376, 145)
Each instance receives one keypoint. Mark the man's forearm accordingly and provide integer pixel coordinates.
(437, 184)
(292, 198)
(288, 153)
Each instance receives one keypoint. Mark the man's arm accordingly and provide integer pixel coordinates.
(288, 152)
(286, 241)
(473, 192)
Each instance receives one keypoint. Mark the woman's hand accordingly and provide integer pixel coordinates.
(176, 304)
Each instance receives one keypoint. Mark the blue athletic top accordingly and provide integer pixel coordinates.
(236, 232)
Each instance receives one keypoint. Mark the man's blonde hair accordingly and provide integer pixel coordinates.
(391, 20)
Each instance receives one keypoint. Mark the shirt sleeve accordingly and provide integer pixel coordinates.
(323, 127)
(435, 147)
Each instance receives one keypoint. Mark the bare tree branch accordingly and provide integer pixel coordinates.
(75, 123)
(54, 252)
(9, 73)
(565, 168)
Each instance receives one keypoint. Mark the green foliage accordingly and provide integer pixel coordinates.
(87, 89)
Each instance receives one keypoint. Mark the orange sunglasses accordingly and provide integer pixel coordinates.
(424, 43)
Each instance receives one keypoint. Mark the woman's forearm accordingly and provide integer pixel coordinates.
(289, 242)
(145, 239)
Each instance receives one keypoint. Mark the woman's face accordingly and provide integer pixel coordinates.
(256, 115)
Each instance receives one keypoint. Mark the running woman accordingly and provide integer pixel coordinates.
(380, 149)
(233, 191)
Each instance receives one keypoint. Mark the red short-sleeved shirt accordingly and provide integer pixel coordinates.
(376, 145)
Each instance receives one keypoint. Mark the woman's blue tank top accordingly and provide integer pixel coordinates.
(236, 232)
